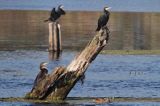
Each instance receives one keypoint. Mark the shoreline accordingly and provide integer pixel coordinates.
(104, 52)
(28, 30)
(82, 100)
(36, 10)
(131, 52)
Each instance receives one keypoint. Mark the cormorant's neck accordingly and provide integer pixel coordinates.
(43, 69)
(106, 12)
(61, 12)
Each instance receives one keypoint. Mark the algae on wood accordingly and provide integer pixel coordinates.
(82, 100)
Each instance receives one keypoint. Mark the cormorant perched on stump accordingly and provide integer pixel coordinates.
(103, 19)
(55, 14)
(42, 74)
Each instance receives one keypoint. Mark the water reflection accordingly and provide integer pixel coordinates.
(54, 55)
(26, 29)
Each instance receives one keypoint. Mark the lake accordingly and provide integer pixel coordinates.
(133, 26)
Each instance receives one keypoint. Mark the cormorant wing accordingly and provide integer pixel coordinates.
(53, 12)
(102, 20)
(41, 75)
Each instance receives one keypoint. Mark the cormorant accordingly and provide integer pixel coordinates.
(56, 14)
(42, 74)
(103, 19)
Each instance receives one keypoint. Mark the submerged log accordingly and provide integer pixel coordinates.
(57, 85)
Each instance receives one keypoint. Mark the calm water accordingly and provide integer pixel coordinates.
(129, 30)
(108, 76)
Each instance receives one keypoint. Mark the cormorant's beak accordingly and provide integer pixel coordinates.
(61, 6)
(107, 8)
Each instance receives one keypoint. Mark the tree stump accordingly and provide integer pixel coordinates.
(57, 84)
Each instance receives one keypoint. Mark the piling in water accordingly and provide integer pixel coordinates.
(54, 37)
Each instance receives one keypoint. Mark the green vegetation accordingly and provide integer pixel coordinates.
(82, 100)
(132, 52)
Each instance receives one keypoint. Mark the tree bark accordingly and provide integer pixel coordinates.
(57, 85)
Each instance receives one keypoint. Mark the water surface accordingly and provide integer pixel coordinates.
(108, 76)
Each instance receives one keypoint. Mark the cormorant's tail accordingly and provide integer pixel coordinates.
(46, 20)
(98, 28)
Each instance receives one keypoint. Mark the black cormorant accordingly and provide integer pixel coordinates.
(42, 74)
(55, 14)
(103, 19)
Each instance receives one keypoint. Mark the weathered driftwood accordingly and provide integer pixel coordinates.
(57, 85)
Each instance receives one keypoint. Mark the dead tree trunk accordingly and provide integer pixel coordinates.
(57, 85)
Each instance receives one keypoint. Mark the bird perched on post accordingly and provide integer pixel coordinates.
(103, 19)
(42, 74)
(56, 14)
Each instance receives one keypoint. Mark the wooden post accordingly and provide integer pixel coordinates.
(54, 37)
(51, 36)
(57, 84)
(59, 37)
